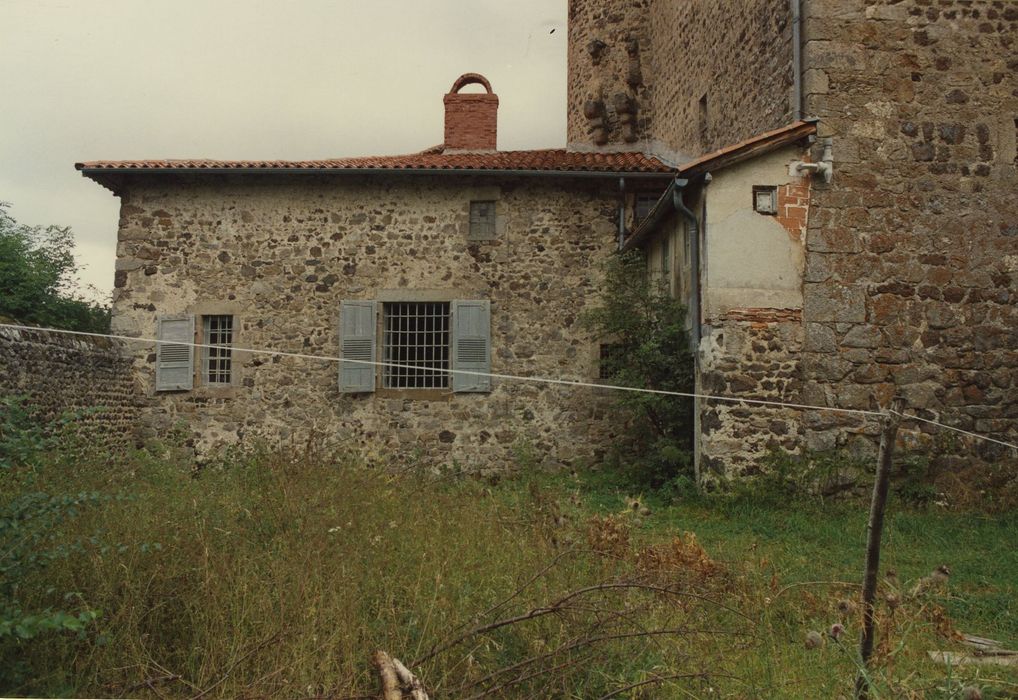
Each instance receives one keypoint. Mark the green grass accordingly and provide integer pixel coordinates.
(277, 575)
(810, 541)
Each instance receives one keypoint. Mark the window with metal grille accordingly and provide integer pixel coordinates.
(416, 338)
(482, 220)
(217, 360)
(610, 359)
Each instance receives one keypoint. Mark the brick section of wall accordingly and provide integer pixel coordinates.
(793, 207)
(912, 262)
(61, 374)
(614, 71)
(738, 53)
(282, 253)
(471, 122)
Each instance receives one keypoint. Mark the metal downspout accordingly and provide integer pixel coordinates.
(694, 234)
(796, 59)
(622, 212)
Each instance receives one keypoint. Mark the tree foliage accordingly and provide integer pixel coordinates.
(38, 278)
(646, 329)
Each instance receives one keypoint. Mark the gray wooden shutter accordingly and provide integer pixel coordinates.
(357, 342)
(175, 363)
(471, 344)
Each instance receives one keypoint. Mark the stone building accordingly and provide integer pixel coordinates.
(828, 183)
(460, 257)
(909, 254)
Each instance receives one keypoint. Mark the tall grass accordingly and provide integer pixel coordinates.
(277, 574)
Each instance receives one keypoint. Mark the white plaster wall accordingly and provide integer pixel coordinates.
(750, 260)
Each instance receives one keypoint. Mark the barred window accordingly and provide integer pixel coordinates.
(610, 359)
(217, 361)
(416, 337)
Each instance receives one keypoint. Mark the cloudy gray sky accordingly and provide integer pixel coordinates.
(287, 79)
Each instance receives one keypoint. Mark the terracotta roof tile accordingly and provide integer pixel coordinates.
(539, 160)
(753, 146)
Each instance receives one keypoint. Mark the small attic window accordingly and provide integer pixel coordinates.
(645, 202)
(765, 199)
(482, 220)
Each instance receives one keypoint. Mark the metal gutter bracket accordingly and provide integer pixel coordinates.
(825, 167)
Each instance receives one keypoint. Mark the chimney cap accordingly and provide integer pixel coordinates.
(470, 79)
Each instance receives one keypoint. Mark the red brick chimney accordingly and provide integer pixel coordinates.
(471, 120)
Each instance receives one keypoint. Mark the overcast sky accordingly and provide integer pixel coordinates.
(237, 79)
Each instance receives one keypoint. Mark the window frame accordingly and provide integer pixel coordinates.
(383, 376)
(491, 223)
(604, 351)
(206, 334)
(646, 197)
(463, 318)
(771, 191)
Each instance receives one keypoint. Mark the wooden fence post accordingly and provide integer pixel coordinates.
(874, 531)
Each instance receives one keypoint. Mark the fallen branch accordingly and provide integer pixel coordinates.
(953, 658)
(561, 605)
(387, 674)
(396, 678)
(409, 681)
(590, 641)
(229, 669)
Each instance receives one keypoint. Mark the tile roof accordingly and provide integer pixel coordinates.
(549, 160)
(717, 160)
(753, 146)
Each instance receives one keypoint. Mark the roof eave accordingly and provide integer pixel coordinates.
(751, 148)
(102, 175)
(757, 146)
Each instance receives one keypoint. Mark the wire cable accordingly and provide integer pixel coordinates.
(517, 378)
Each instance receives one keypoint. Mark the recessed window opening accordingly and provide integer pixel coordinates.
(644, 204)
(765, 199)
(704, 119)
(482, 220)
(416, 337)
(609, 360)
(217, 361)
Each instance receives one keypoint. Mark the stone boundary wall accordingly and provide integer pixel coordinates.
(62, 373)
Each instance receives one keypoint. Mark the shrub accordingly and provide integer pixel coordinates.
(30, 517)
(647, 328)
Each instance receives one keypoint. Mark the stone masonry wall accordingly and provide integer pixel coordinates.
(610, 55)
(753, 353)
(737, 53)
(61, 374)
(281, 254)
(912, 262)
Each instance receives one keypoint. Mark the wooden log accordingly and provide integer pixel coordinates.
(409, 681)
(387, 674)
(953, 658)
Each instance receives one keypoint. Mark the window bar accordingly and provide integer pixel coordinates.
(416, 336)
